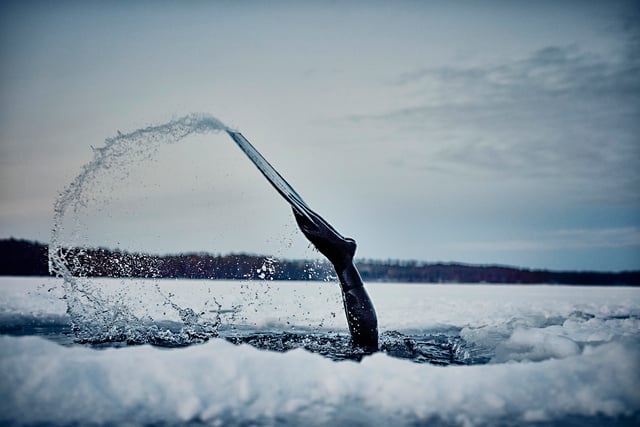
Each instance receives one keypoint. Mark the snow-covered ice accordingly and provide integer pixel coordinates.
(538, 355)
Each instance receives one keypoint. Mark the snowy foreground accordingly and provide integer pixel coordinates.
(538, 355)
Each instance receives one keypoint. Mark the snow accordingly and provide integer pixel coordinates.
(556, 355)
(218, 381)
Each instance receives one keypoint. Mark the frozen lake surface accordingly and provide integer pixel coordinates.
(278, 354)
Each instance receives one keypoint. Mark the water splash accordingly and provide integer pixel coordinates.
(96, 317)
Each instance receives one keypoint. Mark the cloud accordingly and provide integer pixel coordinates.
(558, 113)
(603, 238)
(552, 70)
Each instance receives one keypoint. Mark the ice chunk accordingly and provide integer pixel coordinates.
(535, 345)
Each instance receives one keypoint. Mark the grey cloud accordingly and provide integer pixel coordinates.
(558, 113)
(551, 71)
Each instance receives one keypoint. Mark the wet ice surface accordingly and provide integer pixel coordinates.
(270, 353)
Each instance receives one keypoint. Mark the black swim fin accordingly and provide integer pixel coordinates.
(269, 172)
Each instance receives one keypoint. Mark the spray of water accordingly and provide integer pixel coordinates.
(97, 317)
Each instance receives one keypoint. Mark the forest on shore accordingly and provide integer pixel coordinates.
(27, 258)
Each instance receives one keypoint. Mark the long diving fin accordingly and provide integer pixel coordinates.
(272, 175)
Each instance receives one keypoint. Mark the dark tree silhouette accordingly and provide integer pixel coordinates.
(25, 258)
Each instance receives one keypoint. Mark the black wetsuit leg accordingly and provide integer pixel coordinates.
(339, 250)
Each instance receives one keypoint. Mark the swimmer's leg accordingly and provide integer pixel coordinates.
(361, 316)
(339, 250)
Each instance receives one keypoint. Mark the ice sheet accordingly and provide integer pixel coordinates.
(557, 356)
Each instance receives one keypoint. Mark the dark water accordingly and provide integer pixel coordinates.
(437, 348)
(434, 349)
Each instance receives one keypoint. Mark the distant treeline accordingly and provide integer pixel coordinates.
(25, 258)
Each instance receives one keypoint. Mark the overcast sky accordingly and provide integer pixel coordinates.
(501, 132)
